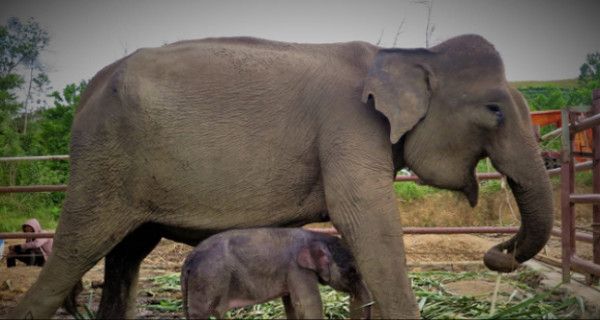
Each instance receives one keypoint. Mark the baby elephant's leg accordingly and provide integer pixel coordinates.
(199, 308)
(290, 312)
(206, 297)
(305, 297)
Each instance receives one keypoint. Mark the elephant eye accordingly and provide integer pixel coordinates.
(496, 110)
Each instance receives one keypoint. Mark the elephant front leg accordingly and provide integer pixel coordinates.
(362, 206)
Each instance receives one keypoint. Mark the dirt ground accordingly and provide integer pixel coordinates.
(168, 257)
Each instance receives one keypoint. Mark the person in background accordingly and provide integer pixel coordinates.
(34, 251)
(1, 248)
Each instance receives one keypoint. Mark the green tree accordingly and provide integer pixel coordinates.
(52, 134)
(9, 136)
(590, 70)
(589, 79)
(22, 77)
(55, 123)
(9, 108)
(21, 44)
(552, 97)
(549, 98)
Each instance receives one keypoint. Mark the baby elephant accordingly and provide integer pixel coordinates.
(238, 268)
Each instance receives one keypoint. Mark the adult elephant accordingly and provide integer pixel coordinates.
(197, 137)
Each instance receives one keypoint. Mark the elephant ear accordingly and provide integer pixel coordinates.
(316, 257)
(400, 84)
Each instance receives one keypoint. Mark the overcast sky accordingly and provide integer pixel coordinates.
(538, 39)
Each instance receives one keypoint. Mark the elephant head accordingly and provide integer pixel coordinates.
(450, 106)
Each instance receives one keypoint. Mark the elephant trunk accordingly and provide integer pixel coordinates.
(530, 185)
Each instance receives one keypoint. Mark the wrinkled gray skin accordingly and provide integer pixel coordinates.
(197, 137)
(243, 267)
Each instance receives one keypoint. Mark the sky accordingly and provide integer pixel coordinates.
(538, 39)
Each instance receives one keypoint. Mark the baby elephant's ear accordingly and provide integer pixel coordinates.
(316, 257)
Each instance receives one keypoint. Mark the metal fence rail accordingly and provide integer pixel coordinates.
(23, 235)
(480, 176)
(579, 236)
(34, 188)
(570, 260)
(30, 158)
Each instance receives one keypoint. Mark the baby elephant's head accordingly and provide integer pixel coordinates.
(331, 259)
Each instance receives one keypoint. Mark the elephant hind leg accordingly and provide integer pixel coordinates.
(70, 303)
(85, 234)
(56, 280)
(121, 272)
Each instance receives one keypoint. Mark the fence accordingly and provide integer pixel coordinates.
(407, 230)
(570, 260)
(567, 232)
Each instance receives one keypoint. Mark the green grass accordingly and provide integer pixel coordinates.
(485, 165)
(435, 302)
(490, 186)
(412, 191)
(168, 282)
(336, 306)
(585, 178)
(16, 208)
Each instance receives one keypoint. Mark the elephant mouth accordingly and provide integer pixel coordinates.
(468, 186)
(471, 187)
(471, 190)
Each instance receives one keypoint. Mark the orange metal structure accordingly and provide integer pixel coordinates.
(544, 118)
(582, 142)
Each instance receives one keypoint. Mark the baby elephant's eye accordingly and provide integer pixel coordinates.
(496, 110)
(493, 107)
